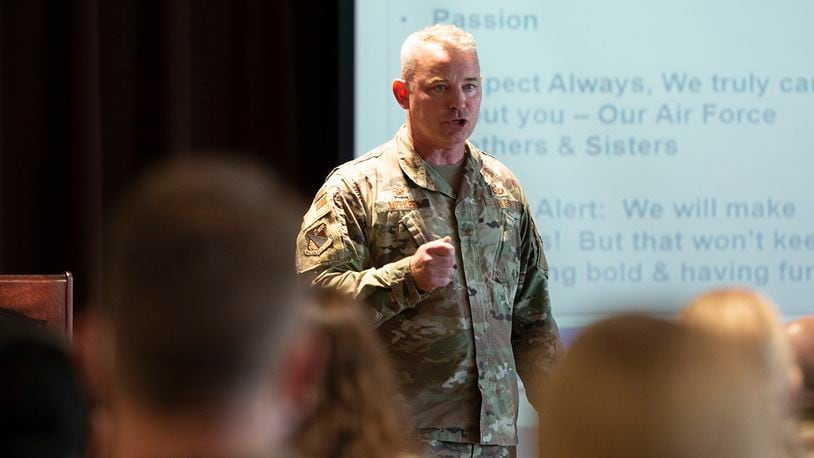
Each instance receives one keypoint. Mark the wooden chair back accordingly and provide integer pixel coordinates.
(48, 299)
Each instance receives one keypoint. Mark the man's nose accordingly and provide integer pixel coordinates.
(457, 99)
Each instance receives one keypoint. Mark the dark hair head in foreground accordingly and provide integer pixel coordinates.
(43, 409)
(357, 413)
(198, 285)
(634, 386)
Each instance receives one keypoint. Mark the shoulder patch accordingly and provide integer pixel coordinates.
(317, 240)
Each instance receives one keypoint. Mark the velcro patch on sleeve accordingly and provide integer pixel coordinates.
(317, 240)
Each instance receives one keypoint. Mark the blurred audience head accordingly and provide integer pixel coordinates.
(199, 302)
(357, 413)
(634, 386)
(801, 336)
(43, 409)
(752, 321)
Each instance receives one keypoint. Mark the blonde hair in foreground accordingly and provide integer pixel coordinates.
(752, 321)
(638, 387)
(356, 414)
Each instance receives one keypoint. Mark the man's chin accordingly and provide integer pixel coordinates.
(458, 134)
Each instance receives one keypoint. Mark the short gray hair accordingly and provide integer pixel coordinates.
(446, 35)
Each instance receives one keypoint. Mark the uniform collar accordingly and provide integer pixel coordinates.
(418, 171)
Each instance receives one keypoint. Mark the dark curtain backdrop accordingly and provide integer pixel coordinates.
(94, 91)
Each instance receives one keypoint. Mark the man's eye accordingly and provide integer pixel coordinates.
(439, 88)
(470, 87)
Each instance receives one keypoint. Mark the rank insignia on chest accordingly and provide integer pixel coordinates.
(399, 190)
(317, 240)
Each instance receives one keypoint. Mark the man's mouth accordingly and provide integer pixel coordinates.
(458, 122)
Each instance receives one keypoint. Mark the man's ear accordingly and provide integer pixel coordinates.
(402, 93)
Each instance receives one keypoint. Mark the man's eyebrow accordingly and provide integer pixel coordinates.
(438, 79)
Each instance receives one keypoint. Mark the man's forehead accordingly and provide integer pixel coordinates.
(436, 58)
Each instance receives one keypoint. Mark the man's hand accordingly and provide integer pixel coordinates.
(432, 265)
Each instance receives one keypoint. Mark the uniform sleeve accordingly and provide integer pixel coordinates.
(333, 252)
(535, 337)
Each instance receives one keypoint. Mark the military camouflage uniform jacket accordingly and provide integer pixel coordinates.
(457, 349)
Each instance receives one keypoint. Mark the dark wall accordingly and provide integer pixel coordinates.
(94, 91)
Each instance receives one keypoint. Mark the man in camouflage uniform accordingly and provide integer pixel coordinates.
(436, 237)
(801, 335)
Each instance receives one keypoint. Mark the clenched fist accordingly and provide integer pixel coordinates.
(432, 265)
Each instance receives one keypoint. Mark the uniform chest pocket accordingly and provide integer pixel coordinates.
(499, 240)
(396, 235)
(508, 258)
